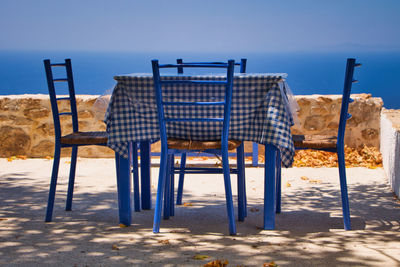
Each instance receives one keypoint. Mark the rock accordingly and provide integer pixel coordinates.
(370, 134)
(314, 123)
(43, 149)
(35, 113)
(13, 141)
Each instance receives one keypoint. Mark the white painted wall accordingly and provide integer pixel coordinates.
(390, 149)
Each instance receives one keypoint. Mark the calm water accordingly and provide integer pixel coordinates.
(309, 73)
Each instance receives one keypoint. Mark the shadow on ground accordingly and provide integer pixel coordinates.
(309, 230)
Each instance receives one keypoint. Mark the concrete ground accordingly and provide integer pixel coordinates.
(309, 231)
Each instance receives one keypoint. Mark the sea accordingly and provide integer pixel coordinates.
(22, 72)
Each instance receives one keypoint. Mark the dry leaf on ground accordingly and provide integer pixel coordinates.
(270, 264)
(200, 257)
(164, 241)
(315, 181)
(216, 263)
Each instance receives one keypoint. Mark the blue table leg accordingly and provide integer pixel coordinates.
(270, 187)
(124, 189)
(145, 174)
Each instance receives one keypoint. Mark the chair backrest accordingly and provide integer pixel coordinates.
(344, 115)
(161, 84)
(242, 64)
(51, 84)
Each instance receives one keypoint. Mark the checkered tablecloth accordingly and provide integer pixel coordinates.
(258, 113)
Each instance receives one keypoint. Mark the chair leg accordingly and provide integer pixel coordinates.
(160, 191)
(343, 189)
(241, 183)
(145, 174)
(181, 180)
(53, 183)
(255, 154)
(71, 180)
(228, 192)
(278, 182)
(135, 171)
(167, 190)
(270, 187)
(172, 187)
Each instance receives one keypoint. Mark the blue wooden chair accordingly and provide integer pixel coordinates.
(242, 65)
(74, 139)
(330, 144)
(169, 119)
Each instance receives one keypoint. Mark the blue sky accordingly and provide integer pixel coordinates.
(203, 25)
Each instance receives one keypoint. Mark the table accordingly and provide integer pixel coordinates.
(259, 114)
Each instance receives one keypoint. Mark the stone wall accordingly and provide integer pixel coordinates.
(319, 114)
(26, 123)
(26, 126)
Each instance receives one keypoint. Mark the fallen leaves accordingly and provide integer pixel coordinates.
(368, 157)
(23, 157)
(216, 263)
(270, 264)
(122, 225)
(114, 247)
(164, 242)
(187, 204)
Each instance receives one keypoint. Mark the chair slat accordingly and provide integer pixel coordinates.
(194, 65)
(63, 98)
(219, 103)
(194, 82)
(65, 113)
(60, 80)
(193, 119)
(57, 64)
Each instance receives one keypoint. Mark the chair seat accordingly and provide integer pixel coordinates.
(174, 143)
(314, 141)
(85, 138)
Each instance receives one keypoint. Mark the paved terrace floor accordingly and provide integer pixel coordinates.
(309, 230)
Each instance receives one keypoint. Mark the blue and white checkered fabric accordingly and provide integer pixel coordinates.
(258, 112)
